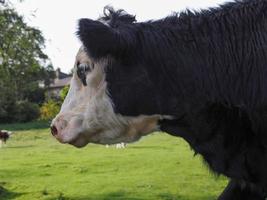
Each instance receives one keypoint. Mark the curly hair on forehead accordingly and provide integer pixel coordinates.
(115, 17)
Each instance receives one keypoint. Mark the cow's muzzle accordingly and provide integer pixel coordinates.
(54, 131)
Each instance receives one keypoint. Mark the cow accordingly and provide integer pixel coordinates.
(4, 136)
(199, 75)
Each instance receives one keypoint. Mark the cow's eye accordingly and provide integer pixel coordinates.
(82, 70)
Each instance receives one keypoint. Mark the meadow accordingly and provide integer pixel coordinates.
(34, 166)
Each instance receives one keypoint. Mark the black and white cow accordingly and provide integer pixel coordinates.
(197, 75)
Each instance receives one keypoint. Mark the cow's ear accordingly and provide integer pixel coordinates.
(101, 40)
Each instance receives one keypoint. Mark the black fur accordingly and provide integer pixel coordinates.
(208, 69)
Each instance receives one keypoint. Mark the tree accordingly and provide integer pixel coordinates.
(21, 60)
(49, 75)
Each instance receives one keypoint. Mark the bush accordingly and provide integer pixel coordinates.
(26, 111)
(52, 106)
(35, 95)
(49, 110)
(64, 92)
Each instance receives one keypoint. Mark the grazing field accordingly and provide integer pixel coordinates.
(33, 166)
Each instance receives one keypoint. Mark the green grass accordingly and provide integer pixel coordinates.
(25, 126)
(33, 166)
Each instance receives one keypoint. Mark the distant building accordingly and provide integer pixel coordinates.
(59, 82)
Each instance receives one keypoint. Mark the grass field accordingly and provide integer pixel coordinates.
(33, 166)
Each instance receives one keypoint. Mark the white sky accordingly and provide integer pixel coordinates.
(57, 19)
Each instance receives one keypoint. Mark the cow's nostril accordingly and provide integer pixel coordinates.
(53, 130)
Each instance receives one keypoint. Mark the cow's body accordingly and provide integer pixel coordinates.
(201, 76)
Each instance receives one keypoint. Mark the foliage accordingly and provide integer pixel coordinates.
(7, 2)
(21, 62)
(7, 102)
(48, 75)
(64, 92)
(51, 107)
(35, 94)
(159, 167)
(49, 110)
(26, 111)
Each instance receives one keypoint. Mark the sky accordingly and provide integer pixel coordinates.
(57, 19)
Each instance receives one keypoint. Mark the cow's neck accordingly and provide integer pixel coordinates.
(220, 135)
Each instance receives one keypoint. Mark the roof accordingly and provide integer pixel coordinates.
(59, 83)
(60, 75)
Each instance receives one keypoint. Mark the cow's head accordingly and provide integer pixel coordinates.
(111, 99)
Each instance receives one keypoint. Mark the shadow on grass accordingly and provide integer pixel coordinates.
(8, 195)
(167, 196)
(109, 196)
(19, 147)
(25, 126)
(121, 195)
(146, 147)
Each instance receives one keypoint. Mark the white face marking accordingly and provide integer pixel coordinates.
(87, 113)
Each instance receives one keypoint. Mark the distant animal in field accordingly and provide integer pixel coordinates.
(4, 136)
(121, 145)
(200, 75)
